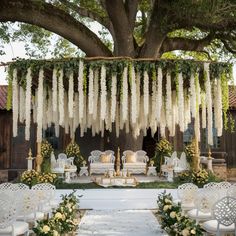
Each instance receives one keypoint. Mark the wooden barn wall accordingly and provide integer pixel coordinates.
(5, 139)
(229, 143)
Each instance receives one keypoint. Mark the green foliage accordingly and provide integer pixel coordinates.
(63, 220)
(173, 221)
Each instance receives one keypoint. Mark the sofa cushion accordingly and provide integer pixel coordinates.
(105, 158)
(130, 158)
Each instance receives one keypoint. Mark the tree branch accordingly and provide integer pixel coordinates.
(87, 13)
(178, 43)
(122, 30)
(131, 7)
(55, 20)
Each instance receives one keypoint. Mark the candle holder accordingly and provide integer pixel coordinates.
(30, 160)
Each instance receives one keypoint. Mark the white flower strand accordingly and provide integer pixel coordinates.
(209, 104)
(124, 95)
(159, 94)
(163, 121)
(187, 112)
(133, 113)
(80, 89)
(138, 93)
(54, 89)
(61, 98)
(153, 106)
(15, 105)
(145, 93)
(181, 102)
(113, 97)
(28, 104)
(71, 95)
(203, 106)
(66, 118)
(218, 109)
(22, 105)
(90, 92)
(168, 102)
(103, 93)
(198, 101)
(192, 96)
(96, 88)
(49, 112)
(40, 106)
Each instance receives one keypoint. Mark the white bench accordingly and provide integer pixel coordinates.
(97, 165)
(135, 162)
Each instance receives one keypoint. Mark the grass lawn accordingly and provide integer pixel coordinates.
(154, 185)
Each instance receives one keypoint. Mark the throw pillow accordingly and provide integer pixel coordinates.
(105, 158)
(130, 158)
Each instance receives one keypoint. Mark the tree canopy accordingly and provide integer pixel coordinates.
(137, 28)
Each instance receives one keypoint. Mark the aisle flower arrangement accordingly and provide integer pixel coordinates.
(64, 219)
(190, 151)
(73, 150)
(172, 219)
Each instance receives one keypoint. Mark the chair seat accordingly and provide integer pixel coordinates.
(54, 203)
(19, 228)
(211, 226)
(136, 164)
(200, 216)
(187, 206)
(58, 170)
(32, 217)
(95, 165)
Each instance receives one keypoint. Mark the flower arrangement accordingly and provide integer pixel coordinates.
(200, 177)
(47, 178)
(190, 151)
(163, 148)
(29, 177)
(64, 219)
(73, 150)
(172, 219)
(46, 149)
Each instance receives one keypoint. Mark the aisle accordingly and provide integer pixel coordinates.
(120, 222)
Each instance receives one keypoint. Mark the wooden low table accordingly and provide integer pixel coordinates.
(116, 181)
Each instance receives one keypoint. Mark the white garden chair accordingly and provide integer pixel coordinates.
(20, 186)
(8, 213)
(231, 192)
(28, 207)
(6, 186)
(186, 193)
(223, 188)
(45, 193)
(224, 213)
(204, 201)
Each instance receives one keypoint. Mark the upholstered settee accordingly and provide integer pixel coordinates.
(101, 162)
(135, 162)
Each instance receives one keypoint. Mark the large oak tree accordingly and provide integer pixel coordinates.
(139, 28)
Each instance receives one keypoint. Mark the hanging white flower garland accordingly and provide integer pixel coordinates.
(218, 108)
(81, 90)
(40, 106)
(15, 105)
(54, 89)
(168, 102)
(61, 98)
(90, 92)
(145, 93)
(71, 95)
(209, 104)
(133, 97)
(192, 96)
(113, 97)
(103, 93)
(203, 106)
(159, 94)
(124, 98)
(181, 102)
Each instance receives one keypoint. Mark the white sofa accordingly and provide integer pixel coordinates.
(96, 165)
(137, 164)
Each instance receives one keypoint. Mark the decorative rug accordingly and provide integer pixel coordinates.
(120, 222)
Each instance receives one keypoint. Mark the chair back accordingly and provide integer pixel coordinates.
(224, 211)
(232, 191)
(6, 186)
(187, 192)
(20, 186)
(8, 210)
(183, 161)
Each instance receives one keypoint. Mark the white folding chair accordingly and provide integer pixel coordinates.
(8, 214)
(224, 213)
